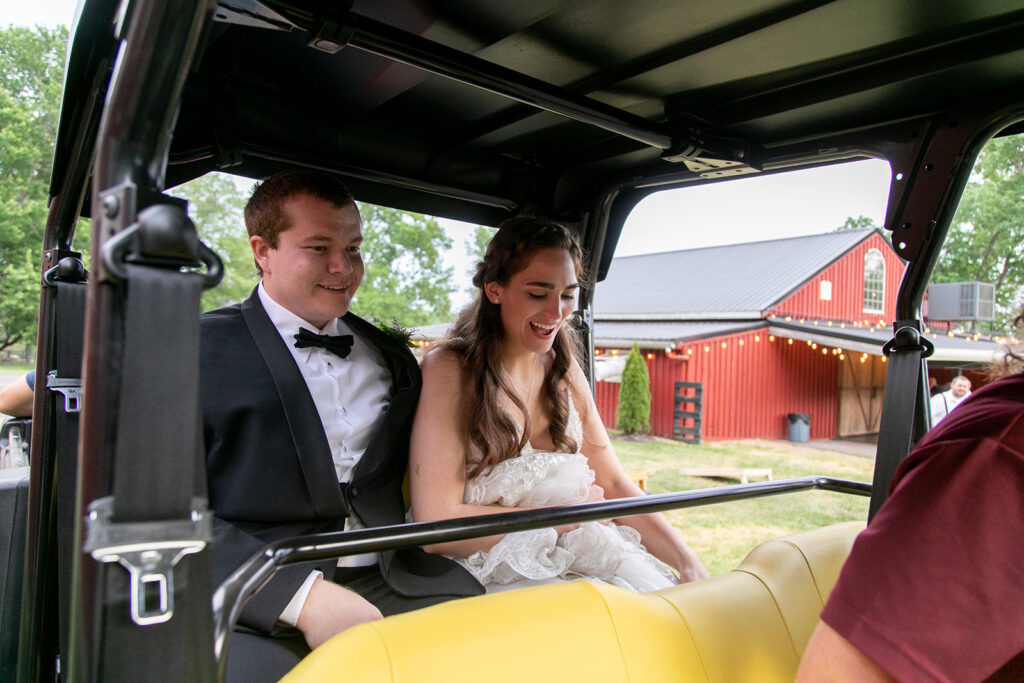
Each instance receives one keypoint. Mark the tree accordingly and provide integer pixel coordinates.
(634, 414)
(405, 277)
(986, 241)
(216, 206)
(31, 75)
(856, 224)
(476, 247)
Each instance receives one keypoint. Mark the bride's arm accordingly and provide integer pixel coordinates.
(437, 454)
(658, 536)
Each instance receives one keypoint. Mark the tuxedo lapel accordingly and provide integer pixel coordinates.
(307, 432)
(405, 389)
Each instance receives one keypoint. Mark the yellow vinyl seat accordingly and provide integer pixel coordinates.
(750, 624)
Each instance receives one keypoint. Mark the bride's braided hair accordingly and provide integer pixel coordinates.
(492, 433)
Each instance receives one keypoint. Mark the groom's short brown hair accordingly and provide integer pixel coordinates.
(264, 212)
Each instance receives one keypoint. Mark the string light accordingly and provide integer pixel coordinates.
(689, 352)
(741, 342)
(650, 356)
(706, 349)
(757, 337)
(771, 337)
(789, 341)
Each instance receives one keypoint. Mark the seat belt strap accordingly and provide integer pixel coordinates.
(68, 344)
(904, 420)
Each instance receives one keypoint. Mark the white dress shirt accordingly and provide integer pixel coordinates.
(942, 403)
(351, 395)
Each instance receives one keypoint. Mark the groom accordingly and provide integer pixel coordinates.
(306, 413)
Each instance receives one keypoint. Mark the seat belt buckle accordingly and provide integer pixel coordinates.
(149, 551)
(71, 388)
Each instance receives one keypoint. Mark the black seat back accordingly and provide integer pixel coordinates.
(13, 511)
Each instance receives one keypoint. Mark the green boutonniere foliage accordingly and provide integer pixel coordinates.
(395, 330)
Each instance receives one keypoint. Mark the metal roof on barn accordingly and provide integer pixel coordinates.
(739, 281)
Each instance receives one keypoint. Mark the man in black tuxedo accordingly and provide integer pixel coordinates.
(306, 411)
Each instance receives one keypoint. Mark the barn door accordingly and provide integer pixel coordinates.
(861, 384)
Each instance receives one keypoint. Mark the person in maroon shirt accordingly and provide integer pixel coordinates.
(933, 589)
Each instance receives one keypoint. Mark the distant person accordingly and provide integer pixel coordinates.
(507, 422)
(942, 403)
(16, 397)
(933, 588)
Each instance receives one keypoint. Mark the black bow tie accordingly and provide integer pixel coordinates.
(340, 345)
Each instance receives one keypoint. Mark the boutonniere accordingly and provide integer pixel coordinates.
(395, 330)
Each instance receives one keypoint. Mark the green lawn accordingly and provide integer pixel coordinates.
(723, 534)
(17, 367)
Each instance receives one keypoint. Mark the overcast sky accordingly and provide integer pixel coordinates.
(752, 209)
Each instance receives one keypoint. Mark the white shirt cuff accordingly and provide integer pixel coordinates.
(291, 612)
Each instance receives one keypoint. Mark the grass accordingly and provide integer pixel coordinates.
(17, 367)
(723, 534)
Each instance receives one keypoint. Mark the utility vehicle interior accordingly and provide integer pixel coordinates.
(477, 110)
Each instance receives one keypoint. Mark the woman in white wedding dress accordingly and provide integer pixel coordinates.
(506, 421)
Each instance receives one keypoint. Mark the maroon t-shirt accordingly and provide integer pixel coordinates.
(933, 589)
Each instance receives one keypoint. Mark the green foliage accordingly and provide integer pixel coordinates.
(986, 241)
(476, 246)
(405, 277)
(215, 206)
(856, 224)
(634, 413)
(31, 75)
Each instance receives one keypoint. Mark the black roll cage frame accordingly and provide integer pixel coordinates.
(125, 124)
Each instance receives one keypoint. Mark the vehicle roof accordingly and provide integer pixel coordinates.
(733, 86)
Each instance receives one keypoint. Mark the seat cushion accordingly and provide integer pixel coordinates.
(752, 623)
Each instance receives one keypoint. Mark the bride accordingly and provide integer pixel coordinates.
(506, 421)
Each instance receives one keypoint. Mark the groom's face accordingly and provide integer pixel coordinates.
(317, 265)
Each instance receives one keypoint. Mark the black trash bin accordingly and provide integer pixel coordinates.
(799, 427)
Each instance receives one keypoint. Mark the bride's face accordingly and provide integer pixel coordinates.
(537, 300)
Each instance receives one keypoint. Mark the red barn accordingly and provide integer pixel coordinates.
(768, 329)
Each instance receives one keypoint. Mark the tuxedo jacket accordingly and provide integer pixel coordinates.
(270, 474)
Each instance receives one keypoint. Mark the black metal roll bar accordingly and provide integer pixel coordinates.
(231, 596)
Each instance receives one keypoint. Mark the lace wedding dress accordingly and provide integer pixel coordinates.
(604, 552)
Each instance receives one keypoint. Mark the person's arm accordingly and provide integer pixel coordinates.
(437, 454)
(830, 658)
(658, 536)
(330, 609)
(16, 399)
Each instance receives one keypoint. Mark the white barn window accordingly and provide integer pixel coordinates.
(874, 282)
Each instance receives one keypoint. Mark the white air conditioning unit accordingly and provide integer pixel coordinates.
(955, 301)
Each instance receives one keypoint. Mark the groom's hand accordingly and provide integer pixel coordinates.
(330, 609)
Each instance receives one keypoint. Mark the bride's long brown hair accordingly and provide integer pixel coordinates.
(492, 433)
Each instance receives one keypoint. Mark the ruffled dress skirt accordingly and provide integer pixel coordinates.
(609, 553)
